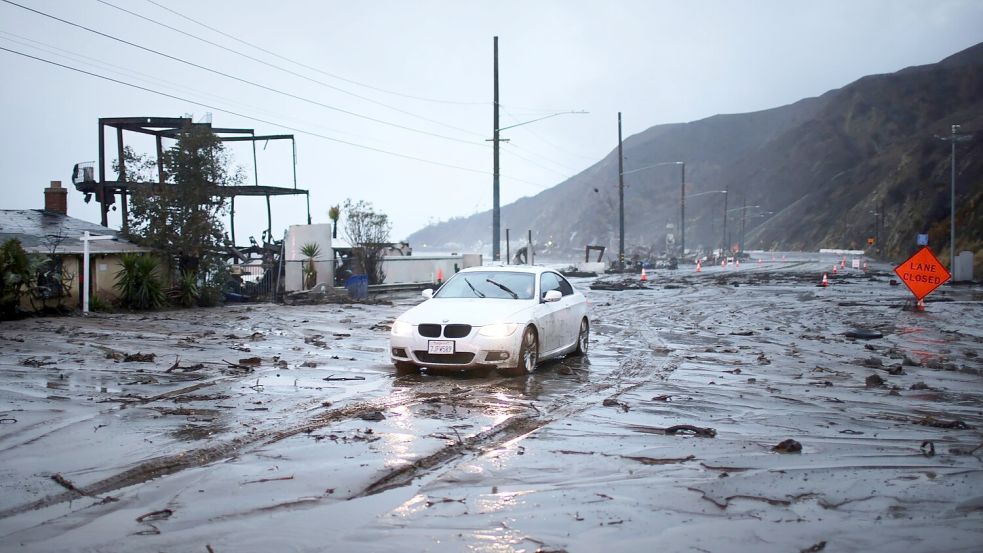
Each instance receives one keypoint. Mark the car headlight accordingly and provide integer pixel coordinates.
(401, 328)
(500, 330)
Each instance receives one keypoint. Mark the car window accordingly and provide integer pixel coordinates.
(565, 287)
(553, 281)
(489, 284)
(547, 282)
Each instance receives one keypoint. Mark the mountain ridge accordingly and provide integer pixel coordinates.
(861, 161)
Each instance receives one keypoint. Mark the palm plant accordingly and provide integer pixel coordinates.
(334, 214)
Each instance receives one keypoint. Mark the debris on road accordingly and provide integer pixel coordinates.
(788, 446)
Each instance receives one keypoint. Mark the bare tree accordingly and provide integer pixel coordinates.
(53, 282)
(368, 233)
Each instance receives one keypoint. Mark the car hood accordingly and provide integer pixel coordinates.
(472, 311)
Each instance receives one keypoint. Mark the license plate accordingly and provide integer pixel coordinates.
(440, 346)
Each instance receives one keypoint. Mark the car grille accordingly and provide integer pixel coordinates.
(457, 331)
(461, 358)
(450, 331)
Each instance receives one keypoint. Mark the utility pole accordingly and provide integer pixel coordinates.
(621, 201)
(496, 214)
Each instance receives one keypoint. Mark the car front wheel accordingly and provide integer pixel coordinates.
(582, 338)
(528, 351)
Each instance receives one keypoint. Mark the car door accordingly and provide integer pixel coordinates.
(570, 313)
(551, 318)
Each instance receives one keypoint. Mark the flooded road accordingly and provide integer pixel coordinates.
(731, 409)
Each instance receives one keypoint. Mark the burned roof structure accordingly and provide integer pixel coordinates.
(105, 190)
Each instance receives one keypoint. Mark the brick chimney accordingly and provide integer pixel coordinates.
(56, 198)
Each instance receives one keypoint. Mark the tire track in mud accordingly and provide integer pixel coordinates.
(171, 464)
(629, 374)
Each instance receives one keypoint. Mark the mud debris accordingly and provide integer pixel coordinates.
(874, 381)
(788, 446)
(692, 430)
(941, 423)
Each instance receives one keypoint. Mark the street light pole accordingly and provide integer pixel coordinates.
(621, 201)
(682, 196)
(952, 202)
(723, 245)
(953, 138)
(682, 211)
(740, 245)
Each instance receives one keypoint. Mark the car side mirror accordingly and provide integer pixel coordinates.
(428, 293)
(552, 295)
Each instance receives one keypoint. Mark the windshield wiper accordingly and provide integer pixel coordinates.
(473, 289)
(504, 287)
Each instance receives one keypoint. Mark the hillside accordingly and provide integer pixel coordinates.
(819, 169)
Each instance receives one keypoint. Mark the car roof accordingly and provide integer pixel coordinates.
(531, 269)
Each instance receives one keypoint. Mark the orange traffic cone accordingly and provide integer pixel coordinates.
(843, 263)
(920, 306)
(737, 263)
(644, 276)
(699, 266)
(440, 276)
(825, 281)
(834, 269)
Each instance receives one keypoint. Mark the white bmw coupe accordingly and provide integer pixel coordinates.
(508, 318)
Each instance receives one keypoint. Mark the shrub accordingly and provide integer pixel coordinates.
(212, 290)
(139, 284)
(98, 305)
(16, 273)
(185, 293)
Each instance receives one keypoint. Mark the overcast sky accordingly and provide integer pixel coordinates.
(391, 101)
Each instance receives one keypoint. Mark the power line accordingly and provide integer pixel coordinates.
(288, 71)
(251, 118)
(312, 68)
(269, 122)
(536, 163)
(246, 81)
(116, 69)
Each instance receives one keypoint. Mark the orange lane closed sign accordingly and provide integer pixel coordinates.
(922, 273)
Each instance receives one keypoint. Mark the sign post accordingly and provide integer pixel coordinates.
(86, 238)
(922, 273)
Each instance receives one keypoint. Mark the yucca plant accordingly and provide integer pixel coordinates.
(310, 250)
(139, 284)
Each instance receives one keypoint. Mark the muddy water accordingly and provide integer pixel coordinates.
(663, 436)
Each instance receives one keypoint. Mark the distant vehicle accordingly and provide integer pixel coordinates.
(509, 318)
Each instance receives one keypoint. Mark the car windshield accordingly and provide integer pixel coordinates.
(489, 284)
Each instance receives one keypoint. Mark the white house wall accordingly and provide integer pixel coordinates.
(297, 236)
